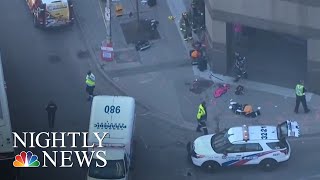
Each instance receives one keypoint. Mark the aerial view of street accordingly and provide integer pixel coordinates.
(161, 89)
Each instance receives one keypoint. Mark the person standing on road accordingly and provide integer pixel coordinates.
(185, 26)
(202, 118)
(91, 83)
(301, 97)
(51, 109)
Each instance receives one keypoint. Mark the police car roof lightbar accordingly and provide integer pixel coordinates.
(245, 131)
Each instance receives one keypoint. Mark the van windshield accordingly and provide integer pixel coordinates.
(220, 141)
(113, 170)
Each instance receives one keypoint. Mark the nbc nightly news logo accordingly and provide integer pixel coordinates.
(83, 158)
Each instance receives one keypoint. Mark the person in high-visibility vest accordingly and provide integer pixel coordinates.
(301, 97)
(202, 118)
(91, 84)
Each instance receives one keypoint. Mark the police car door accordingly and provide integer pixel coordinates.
(288, 129)
(232, 155)
(251, 153)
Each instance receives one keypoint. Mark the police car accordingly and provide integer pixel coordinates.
(265, 146)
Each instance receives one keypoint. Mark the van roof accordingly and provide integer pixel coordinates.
(254, 133)
(112, 114)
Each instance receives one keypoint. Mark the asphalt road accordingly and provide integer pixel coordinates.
(163, 156)
(40, 66)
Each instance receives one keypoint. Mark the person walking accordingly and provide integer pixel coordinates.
(91, 83)
(301, 97)
(51, 109)
(185, 26)
(202, 118)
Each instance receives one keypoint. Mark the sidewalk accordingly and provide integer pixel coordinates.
(159, 77)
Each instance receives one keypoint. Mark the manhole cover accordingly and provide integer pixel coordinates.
(83, 54)
(54, 59)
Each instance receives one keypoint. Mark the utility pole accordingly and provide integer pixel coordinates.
(108, 21)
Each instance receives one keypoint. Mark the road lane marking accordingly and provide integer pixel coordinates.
(148, 77)
(311, 177)
(187, 99)
(143, 142)
(143, 114)
(305, 138)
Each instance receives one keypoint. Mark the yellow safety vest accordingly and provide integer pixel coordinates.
(299, 90)
(201, 112)
(89, 81)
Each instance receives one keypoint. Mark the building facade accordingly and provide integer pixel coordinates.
(299, 18)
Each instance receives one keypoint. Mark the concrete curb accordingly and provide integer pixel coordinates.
(153, 111)
(100, 66)
(263, 87)
(164, 116)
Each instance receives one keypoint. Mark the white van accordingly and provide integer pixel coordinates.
(7, 153)
(115, 115)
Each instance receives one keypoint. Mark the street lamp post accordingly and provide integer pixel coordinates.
(108, 21)
(106, 46)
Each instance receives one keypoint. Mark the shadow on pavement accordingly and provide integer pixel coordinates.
(134, 32)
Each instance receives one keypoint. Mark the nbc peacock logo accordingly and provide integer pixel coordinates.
(26, 160)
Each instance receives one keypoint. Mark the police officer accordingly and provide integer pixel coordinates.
(51, 109)
(202, 118)
(91, 83)
(301, 97)
(185, 26)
